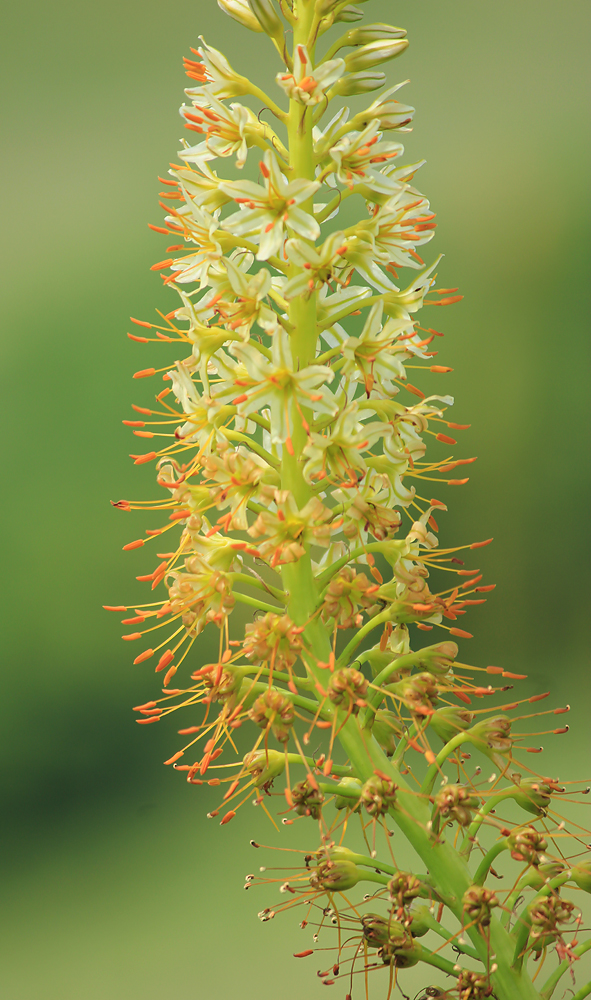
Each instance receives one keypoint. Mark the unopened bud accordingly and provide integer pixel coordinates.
(348, 14)
(241, 12)
(375, 53)
(358, 83)
(372, 33)
(266, 15)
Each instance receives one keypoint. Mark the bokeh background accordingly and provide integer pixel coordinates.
(114, 883)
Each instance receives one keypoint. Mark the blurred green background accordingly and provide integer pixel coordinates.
(114, 883)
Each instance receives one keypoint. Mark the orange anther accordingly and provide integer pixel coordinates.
(144, 656)
(145, 373)
(133, 545)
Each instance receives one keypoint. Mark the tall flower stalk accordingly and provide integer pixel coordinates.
(290, 443)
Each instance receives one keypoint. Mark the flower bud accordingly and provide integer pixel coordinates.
(371, 33)
(241, 12)
(335, 876)
(474, 985)
(390, 114)
(264, 765)
(358, 83)
(266, 15)
(348, 14)
(581, 875)
(375, 53)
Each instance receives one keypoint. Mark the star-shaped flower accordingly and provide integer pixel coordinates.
(275, 385)
(226, 129)
(270, 210)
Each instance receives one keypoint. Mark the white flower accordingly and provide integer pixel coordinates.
(201, 228)
(274, 384)
(199, 187)
(306, 84)
(225, 129)
(216, 72)
(357, 157)
(319, 265)
(270, 209)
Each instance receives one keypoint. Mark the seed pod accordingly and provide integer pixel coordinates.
(378, 795)
(527, 845)
(478, 903)
(473, 985)
(274, 711)
(581, 875)
(358, 83)
(264, 765)
(335, 876)
(546, 915)
(375, 53)
(346, 687)
(347, 801)
(419, 693)
(421, 921)
(449, 721)
(404, 887)
(241, 12)
(493, 734)
(387, 729)
(533, 796)
(456, 802)
(307, 799)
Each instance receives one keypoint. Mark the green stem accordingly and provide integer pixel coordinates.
(254, 602)
(484, 866)
(383, 616)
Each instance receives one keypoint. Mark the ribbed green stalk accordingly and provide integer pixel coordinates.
(412, 812)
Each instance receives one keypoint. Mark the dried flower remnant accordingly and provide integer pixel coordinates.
(295, 528)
